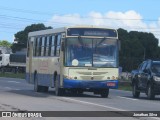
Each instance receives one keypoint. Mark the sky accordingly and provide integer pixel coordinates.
(132, 15)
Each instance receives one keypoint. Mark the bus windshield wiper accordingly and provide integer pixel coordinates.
(101, 41)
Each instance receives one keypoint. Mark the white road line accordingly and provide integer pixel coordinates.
(127, 98)
(120, 90)
(16, 89)
(156, 118)
(7, 88)
(84, 102)
(13, 82)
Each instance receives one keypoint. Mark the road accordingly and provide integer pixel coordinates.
(17, 95)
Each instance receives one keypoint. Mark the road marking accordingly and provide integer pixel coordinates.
(84, 102)
(120, 90)
(13, 82)
(157, 118)
(7, 88)
(16, 89)
(127, 98)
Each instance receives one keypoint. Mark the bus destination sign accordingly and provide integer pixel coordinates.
(91, 32)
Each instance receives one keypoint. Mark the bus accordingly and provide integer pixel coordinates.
(74, 59)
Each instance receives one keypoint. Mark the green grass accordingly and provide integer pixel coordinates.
(125, 87)
(13, 75)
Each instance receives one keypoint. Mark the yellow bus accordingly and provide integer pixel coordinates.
(76, 59)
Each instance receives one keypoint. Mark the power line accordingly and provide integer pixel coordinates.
(84, 17)
(25, 11)
(36, 20)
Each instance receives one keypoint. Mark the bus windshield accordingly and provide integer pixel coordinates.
(93, 52)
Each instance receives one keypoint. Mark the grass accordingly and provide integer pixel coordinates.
(13, 75)
(125, 87)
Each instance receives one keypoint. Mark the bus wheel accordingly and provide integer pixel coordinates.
(37, 88)
(58, 91)
(104, 93)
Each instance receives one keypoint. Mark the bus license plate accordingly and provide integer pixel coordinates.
(111, 84)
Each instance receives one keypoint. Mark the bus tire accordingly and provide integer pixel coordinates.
(104, 93)
(37, 88)
(58, 91)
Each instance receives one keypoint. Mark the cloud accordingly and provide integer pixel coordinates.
(129, 20)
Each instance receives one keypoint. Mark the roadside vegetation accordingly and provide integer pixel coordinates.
(13, 75)
(125, 87)
(125, 83)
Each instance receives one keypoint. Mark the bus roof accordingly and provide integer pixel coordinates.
(62, 29)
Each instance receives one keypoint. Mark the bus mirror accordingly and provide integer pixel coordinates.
(62, 46)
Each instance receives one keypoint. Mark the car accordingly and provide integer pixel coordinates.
(146, 79)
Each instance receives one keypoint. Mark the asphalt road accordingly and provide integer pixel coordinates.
(17, 95)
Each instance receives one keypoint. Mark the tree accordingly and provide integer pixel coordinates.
(22, 36)
(136, 47)
(5, 43)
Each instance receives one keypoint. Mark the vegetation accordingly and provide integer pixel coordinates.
(136, 47)
(5, 43)
(13, 75)
(125, 87)
(22, 36)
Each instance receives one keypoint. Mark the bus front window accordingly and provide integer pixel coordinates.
(91, 52)
(105, 53)
(79, 51)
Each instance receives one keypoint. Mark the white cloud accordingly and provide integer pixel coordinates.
(130, 20)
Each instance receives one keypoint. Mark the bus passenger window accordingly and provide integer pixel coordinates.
(39, 46)
(58, 51)
(45, 46)
(52, 50)
(42, 46)
(28, 47)
(34, 42)
(59, 40)
(50, 45)
(53, 40)
(57, 45)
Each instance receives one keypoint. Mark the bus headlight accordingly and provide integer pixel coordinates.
(156, 78)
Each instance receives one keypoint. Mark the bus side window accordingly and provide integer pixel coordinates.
(27, 48)
(42, 46)
(39, 46)
(52, 45)
(57, 45)
(45, 46)
(35, 47)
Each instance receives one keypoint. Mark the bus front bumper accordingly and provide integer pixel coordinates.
(69, 83)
